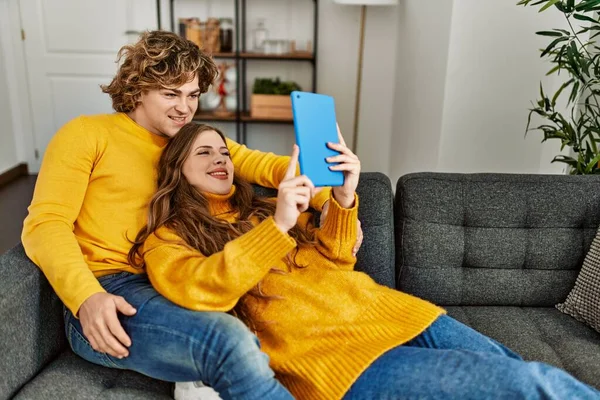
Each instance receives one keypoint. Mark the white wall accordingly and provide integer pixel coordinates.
(493, 75)
(419, 86)
(483, 58)
(8, 153)
(377, 106)
(16, 93)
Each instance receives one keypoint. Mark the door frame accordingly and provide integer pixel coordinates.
(18, 87)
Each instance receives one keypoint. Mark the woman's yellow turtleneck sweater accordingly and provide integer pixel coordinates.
(327, 323)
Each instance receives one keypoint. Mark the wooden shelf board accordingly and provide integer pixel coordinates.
(245, 117)
(260, 56)
(210, 116)
(224, 55)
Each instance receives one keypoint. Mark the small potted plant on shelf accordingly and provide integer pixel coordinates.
(271, 98)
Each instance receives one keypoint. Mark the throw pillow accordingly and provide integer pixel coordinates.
(583, 302)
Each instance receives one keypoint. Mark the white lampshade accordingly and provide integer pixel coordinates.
(368, 2)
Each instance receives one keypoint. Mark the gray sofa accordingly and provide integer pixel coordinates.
(497, 250)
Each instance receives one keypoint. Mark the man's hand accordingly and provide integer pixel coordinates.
(359, 232)
(101, 326)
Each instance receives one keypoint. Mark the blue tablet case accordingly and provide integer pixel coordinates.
(315, 125)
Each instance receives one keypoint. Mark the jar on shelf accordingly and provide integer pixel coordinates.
(212, 39)
(259, 35)
(196, 31)
(226, 35)
(270, 46)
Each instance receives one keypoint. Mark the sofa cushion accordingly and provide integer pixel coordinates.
(71, 377)
(583, 302)
(541, 334)
(493, 239)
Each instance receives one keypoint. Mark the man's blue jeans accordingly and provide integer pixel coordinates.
(173, 344)
(452, 361)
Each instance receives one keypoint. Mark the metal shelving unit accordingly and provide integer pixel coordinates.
(241, 56)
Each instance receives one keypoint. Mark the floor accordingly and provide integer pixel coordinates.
(14, 200)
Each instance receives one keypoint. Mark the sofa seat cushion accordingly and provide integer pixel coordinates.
(539, 334)
(71, 377)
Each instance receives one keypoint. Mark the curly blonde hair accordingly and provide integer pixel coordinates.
(159, 59)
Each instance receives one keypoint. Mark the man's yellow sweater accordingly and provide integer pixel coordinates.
(91, 196)
(327, 324)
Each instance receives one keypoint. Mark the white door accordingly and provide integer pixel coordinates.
(70, 49)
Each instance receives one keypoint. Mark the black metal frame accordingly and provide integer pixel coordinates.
(241, 59)
(239, 127)
(241, 73)
(158, 14)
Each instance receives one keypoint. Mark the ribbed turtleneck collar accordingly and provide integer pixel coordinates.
(219, 203)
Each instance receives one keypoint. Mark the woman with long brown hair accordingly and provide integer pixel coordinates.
(331, 332)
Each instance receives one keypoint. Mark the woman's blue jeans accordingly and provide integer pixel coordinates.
(452, 361)
(174, 344)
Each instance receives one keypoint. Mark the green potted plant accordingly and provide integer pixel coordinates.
(574, 53)
(271, 98)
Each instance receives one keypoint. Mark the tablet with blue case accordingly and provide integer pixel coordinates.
(315, 125)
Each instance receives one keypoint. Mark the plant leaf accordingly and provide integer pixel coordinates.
(559, 91)
(553, 70)
(565, 159)
(549, 4)
(593, 163)
(582, 17)
(549, 33)
(574, 93)
(553, 44)
(587, 5)
(566, 32)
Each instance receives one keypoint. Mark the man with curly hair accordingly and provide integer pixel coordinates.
(90, 200)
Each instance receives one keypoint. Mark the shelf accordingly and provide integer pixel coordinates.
(210, 116)
(244, 117)
(304, 56)
(247, 118)
(223, 55)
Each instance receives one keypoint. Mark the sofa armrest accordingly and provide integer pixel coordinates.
(32, 330)
(376, 256)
